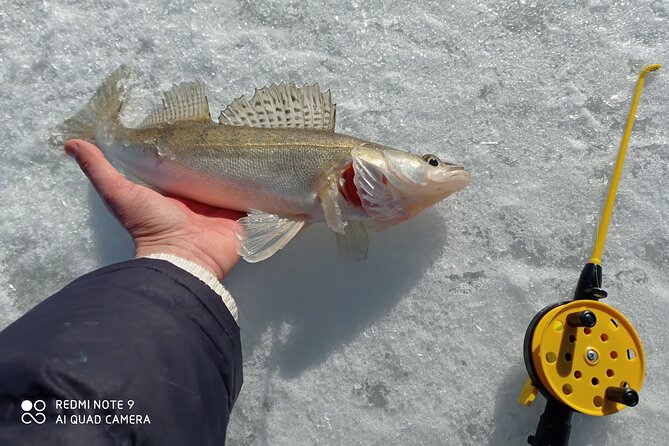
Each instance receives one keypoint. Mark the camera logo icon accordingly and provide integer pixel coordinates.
(28, 417)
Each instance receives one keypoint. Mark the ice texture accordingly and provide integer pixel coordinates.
(420, 344)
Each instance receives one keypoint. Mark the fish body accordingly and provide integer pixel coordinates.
(241, 168)
(276, 157)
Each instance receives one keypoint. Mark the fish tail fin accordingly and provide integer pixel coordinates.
(101, 114)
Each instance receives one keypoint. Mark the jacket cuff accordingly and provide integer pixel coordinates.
(204, 275)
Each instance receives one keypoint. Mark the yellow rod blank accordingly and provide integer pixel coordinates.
(617, 170)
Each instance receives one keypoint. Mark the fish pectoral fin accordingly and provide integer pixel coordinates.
(261, 235)
(184, 102)
(283, 106)
(354, 242)
(329, 196)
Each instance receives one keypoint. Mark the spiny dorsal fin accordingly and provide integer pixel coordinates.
(184, 102)
(283, 106)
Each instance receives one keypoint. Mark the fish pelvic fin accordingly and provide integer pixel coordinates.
(101, 113)
(283, 106)
(261, 235)
(353, 243)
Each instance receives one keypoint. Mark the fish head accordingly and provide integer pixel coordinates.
(397, 185)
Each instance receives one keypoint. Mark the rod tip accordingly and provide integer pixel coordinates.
(654, 67)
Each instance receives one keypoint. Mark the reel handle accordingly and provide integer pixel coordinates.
(623, 395)
(585, 318)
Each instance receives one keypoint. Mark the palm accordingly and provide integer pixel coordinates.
(184, 224)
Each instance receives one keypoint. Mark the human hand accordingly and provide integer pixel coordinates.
(162, 224)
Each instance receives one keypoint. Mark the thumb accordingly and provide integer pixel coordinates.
(109, 183)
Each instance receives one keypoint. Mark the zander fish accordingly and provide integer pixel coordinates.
(275, 157)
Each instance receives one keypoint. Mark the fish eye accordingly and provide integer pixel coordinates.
(432, 160)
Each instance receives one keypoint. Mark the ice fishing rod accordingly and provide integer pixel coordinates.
(581, 354)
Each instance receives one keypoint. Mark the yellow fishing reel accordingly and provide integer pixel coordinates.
(583, 355)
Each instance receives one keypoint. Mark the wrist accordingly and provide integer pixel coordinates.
(191, 254)
(203, 274)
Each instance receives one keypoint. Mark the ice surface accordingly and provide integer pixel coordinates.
(421, 343)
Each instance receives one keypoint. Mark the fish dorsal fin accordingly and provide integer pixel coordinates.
(283, 106)
(184, 102)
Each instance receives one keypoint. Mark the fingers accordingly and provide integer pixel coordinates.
(105, 178)
(93, 163)
(123, 196)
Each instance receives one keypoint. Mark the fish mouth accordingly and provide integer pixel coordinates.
(452, 180)
(458, 178)
(451, 173)
(453, 167)
(463, 175)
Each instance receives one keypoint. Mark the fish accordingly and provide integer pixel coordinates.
(274, 156)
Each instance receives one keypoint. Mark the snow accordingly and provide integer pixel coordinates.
(422, 342)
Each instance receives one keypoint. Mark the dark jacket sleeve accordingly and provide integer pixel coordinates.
(144, 333)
